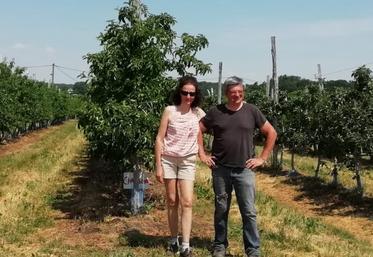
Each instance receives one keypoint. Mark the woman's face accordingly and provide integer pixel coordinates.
(187, 92)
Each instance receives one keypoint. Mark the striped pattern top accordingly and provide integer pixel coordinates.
(182, 132)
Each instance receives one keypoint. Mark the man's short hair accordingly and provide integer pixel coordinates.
(230, 81)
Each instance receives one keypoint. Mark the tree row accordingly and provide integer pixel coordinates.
(27, 104)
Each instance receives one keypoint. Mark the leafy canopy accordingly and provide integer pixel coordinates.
(129, 86)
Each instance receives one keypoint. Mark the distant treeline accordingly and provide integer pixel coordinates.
(78, 88)
(288, 83)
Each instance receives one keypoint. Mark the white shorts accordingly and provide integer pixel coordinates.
(179, 167)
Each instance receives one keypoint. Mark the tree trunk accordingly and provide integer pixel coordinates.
(275, 162)
(334, 173)
(359, 184)
(292, 161)
(317, 171)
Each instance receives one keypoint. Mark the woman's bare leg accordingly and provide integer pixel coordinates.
(172, 205)
(186, 201)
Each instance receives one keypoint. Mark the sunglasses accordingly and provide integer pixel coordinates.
(185, 93)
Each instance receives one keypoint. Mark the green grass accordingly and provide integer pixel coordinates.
(308, 164)
(29, 176)
(31, 180)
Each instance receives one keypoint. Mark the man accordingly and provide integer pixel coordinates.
(233, 161)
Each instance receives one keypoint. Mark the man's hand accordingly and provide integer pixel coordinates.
(255, 162)
(208, 160)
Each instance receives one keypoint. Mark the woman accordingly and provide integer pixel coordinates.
(178, 141)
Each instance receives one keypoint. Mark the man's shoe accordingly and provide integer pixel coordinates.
(218, 253)
(252, 254)
(173, 248)
(186, 253)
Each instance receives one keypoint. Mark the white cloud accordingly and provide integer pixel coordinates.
(50, 50)
(330, 28)
(19, 46)
(334, 43)
(322, 29)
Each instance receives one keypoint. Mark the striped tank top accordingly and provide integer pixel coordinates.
(182, 132)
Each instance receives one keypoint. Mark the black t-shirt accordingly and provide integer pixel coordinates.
(233, 133)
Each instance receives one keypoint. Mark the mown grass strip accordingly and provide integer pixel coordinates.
(29, 176)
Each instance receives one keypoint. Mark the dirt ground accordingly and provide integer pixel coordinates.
(90, 213)
(93, 215)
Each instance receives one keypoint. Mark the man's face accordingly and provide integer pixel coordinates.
(235, 94)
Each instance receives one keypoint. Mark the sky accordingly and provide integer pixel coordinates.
(337, 34)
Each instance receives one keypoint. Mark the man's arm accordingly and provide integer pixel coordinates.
(270, 134)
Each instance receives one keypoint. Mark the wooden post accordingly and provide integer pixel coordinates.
(219, 83)
(52, 74)
(268, 87)
(274, 69)
(136, 5)
(274, 96)
(319, 77)
(137, 192)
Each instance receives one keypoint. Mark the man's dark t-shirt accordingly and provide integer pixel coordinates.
(233, 133)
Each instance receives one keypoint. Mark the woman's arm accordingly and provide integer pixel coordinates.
(201, 149)
(159, 144)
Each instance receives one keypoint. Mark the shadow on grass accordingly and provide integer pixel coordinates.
(135, 238)
(326, 197)
(94, 192)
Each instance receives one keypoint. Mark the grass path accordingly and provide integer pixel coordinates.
(327, 206)
(54, 201)
(29, 176)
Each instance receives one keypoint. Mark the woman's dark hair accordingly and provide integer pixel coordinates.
(183, 81)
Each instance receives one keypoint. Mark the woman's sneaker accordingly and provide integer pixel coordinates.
(218, 252)
(173, 248)
(186, 253)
